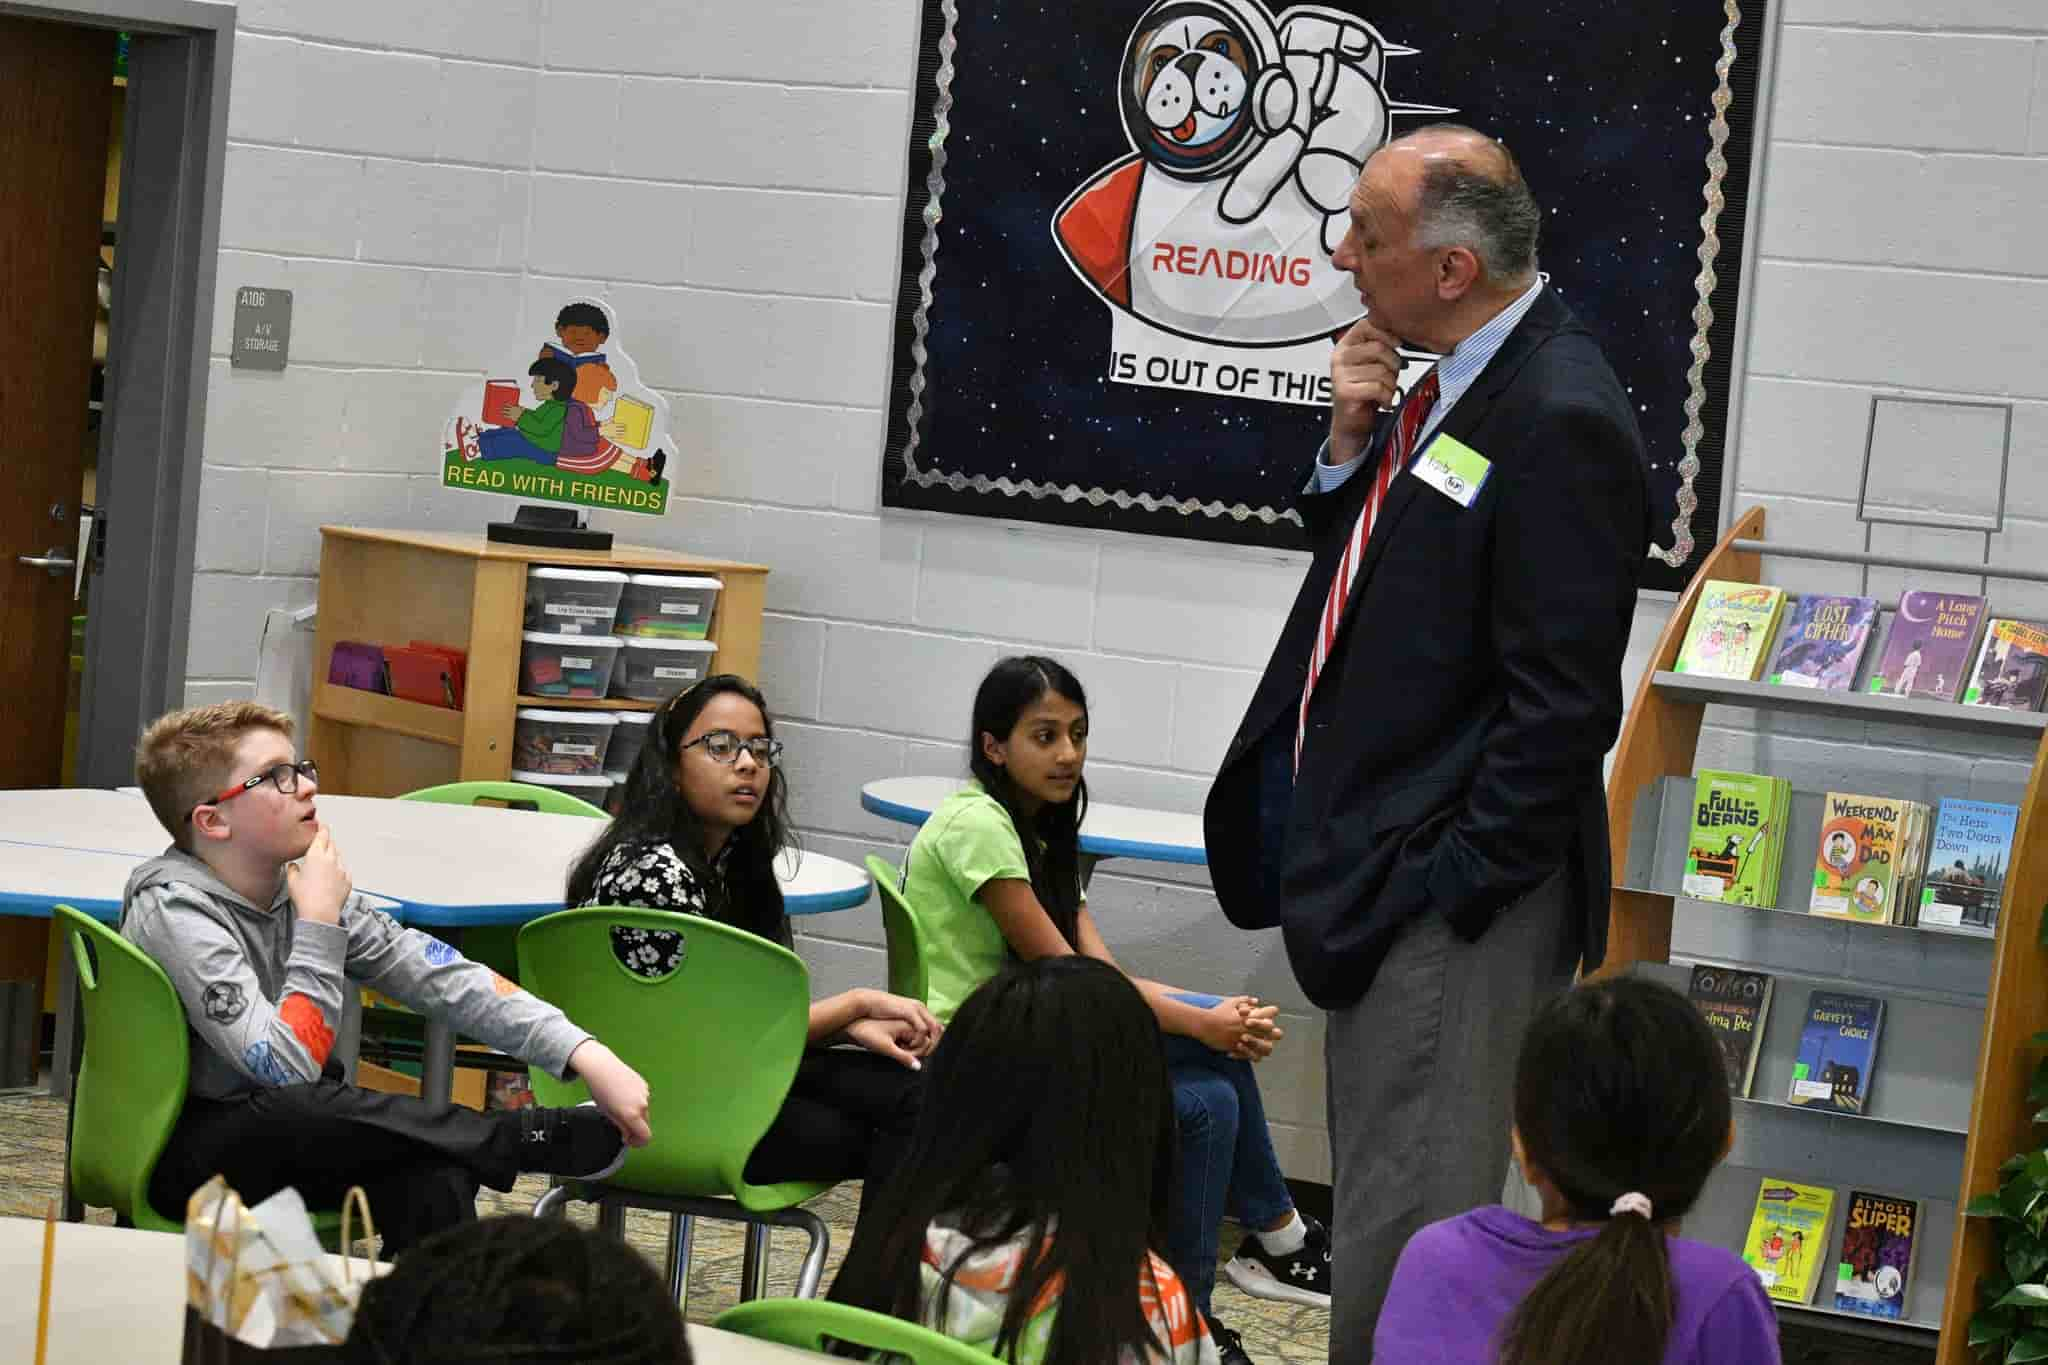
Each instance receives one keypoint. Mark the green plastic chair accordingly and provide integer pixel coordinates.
(909, 972)
(130, 1086)
(814, 1324)
(494, 945)
(718, 1041)
(515, 794)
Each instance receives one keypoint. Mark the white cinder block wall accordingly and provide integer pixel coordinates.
(432, 181)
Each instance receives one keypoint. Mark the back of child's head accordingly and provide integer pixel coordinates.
(1620, 1090)
(519, 1290)
(1051, 836)
(583, 315)
(557, 372)
(185, 757)
(1047, 1110)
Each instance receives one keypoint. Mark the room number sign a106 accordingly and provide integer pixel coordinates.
(263, 328)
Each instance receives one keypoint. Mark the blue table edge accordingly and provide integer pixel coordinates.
(1095, 844)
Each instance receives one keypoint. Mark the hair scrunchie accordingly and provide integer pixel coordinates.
(1632, 1202)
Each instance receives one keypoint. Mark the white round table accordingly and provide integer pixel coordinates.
(1108, 831)
(447, 867)
(119, 1294)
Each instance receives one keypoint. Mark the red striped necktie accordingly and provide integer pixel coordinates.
(1414, 412)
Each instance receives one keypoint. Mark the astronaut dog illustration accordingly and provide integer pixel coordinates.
(1247, 135)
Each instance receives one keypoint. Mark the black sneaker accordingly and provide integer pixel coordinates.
(1229, 1345)
(1302, 1276)
(577, 1144)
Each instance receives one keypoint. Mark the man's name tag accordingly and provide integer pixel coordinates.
(1453, 469)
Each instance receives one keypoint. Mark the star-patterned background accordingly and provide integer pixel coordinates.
(1606, 107)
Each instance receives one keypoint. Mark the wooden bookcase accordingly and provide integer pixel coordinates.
(391, 587)
(1918, 968)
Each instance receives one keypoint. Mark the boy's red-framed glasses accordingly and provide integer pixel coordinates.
(284, 776)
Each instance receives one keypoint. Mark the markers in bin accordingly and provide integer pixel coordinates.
(566, 665)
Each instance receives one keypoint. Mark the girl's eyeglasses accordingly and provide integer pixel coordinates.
(724, 747)
(284, 776)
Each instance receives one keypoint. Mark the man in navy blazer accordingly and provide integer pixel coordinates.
(1426, 823)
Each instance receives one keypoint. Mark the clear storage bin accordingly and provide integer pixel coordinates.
(650, 670)
(572, 601)
(561, 743)
(628, 740)
(554, 665)
(663, 606)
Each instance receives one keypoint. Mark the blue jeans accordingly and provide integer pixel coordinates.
(1227, 1163)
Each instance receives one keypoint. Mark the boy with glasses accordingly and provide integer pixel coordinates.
(252, 915)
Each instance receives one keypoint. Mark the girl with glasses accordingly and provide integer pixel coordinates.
(705, 815)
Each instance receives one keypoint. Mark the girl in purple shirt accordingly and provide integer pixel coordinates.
(1621, 1112)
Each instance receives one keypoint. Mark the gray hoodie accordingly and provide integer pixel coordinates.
(263, 989)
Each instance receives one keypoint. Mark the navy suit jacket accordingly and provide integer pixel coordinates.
(1452, 762)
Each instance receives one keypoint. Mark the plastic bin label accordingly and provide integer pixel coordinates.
(680, 608)
(578, 609)
(574, 750)
(578, 661)
(676, 674)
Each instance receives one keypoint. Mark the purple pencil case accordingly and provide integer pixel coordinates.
(357, 665)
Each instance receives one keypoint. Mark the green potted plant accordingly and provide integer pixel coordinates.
(2011, 1322)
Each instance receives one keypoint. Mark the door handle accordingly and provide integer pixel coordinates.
(54, 559)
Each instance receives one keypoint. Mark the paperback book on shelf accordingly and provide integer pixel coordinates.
(1736, 1006)
(1912, 859)
(1730, 632)
(1930, 647)
(1875, 1268)
(1855, 871)
(2012, 666)
(1967, 856)
(1822, 641)
(1788, 1237)
(1837, 1052)
(1734, 853)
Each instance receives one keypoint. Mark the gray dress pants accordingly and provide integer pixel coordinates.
(1421, 1085)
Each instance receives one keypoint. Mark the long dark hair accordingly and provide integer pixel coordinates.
(518, 1289)
(1620, 1088)
(1052, 838)
(1047, 1115)
(748, 896)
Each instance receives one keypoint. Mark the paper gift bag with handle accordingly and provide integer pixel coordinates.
(259, 1286)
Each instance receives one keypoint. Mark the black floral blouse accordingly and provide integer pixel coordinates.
(654, 877)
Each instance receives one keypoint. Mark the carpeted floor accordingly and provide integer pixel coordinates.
(32, 1154)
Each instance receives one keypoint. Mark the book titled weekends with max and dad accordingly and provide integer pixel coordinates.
(1856, 870)
(1966, 864)
(1930, 647)
(1837, 1051)
(1821, 642)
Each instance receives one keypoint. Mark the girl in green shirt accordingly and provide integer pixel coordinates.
(994, 877)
